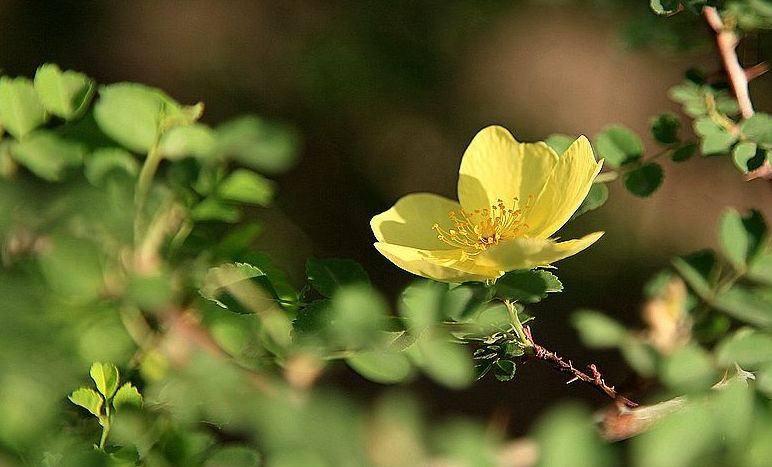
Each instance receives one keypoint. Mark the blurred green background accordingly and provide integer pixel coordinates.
(386, 96)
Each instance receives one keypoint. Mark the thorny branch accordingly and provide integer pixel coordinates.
(595, 379)
(727, 40)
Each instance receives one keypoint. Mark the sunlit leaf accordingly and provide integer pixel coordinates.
(64, 94)
(381, 366)
(20, 108)
(127, 394)
(266, 146)
(88, 399)
(567, 436)
(618, 146)
(246, 186)
(105, 376)
(47, 155)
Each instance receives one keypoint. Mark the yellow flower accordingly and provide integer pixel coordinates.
(513, 197)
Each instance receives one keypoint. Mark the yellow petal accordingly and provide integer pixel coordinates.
(409, 222)
(566, 187)
(495, 166)
(530, 252)
(441, 265)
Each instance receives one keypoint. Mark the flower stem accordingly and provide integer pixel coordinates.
(105, 427)
(517, 325)
(144, 182)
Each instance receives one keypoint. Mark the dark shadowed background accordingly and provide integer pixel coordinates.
(386, 96)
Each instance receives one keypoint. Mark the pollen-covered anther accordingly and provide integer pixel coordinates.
(478, 230)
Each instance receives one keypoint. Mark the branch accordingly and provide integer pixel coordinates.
(596, 380)
(727, 42)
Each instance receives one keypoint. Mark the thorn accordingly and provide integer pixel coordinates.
(575, 378)
(756, 70)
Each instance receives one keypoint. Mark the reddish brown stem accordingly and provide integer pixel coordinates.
(595, 379)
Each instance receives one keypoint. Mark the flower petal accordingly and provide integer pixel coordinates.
(495, 166)
(440, 265)
(530, 252)
(409, 222)
(566, 188)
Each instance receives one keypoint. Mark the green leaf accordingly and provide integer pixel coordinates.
(742, 238)
(746, 305)
(56, 264)
(195, 140)
(20, 108)
(572, 439)
(758, 128)
(686, 92)
(448, 364)
(380, 366)
(265, 146)
(127, 394)
(527, 286)
(733, 409)
(715, 138)
(664, 7)
(105, 376)
(504, 370)
(212, 209)
(640, 356)
(246, 186)
(618, 146)
(64, 94)
(47, 155)
(644, 180)
(463, 301)
(688, 369)
(481, 368)
(359, 316)
(327, 275)
(761, 269)
(224, 276)
(733, 237)
(559, 142)
(312, 320)
(106, 161)
(598, 330)
(665, 128)
(684, 152)
(748, 348)
(130, 114)
(421, 304)
(233, 456)
(697, 270)
(88, 399)
(596, 197)
(745, 157)
(679, 439)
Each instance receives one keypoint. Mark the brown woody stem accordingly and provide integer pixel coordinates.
(595, 379)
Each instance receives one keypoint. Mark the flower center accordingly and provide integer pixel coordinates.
(476, 231)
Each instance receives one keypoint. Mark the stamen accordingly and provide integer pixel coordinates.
(476, 231)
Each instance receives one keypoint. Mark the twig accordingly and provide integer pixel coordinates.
(727, 42)
(596, 380)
